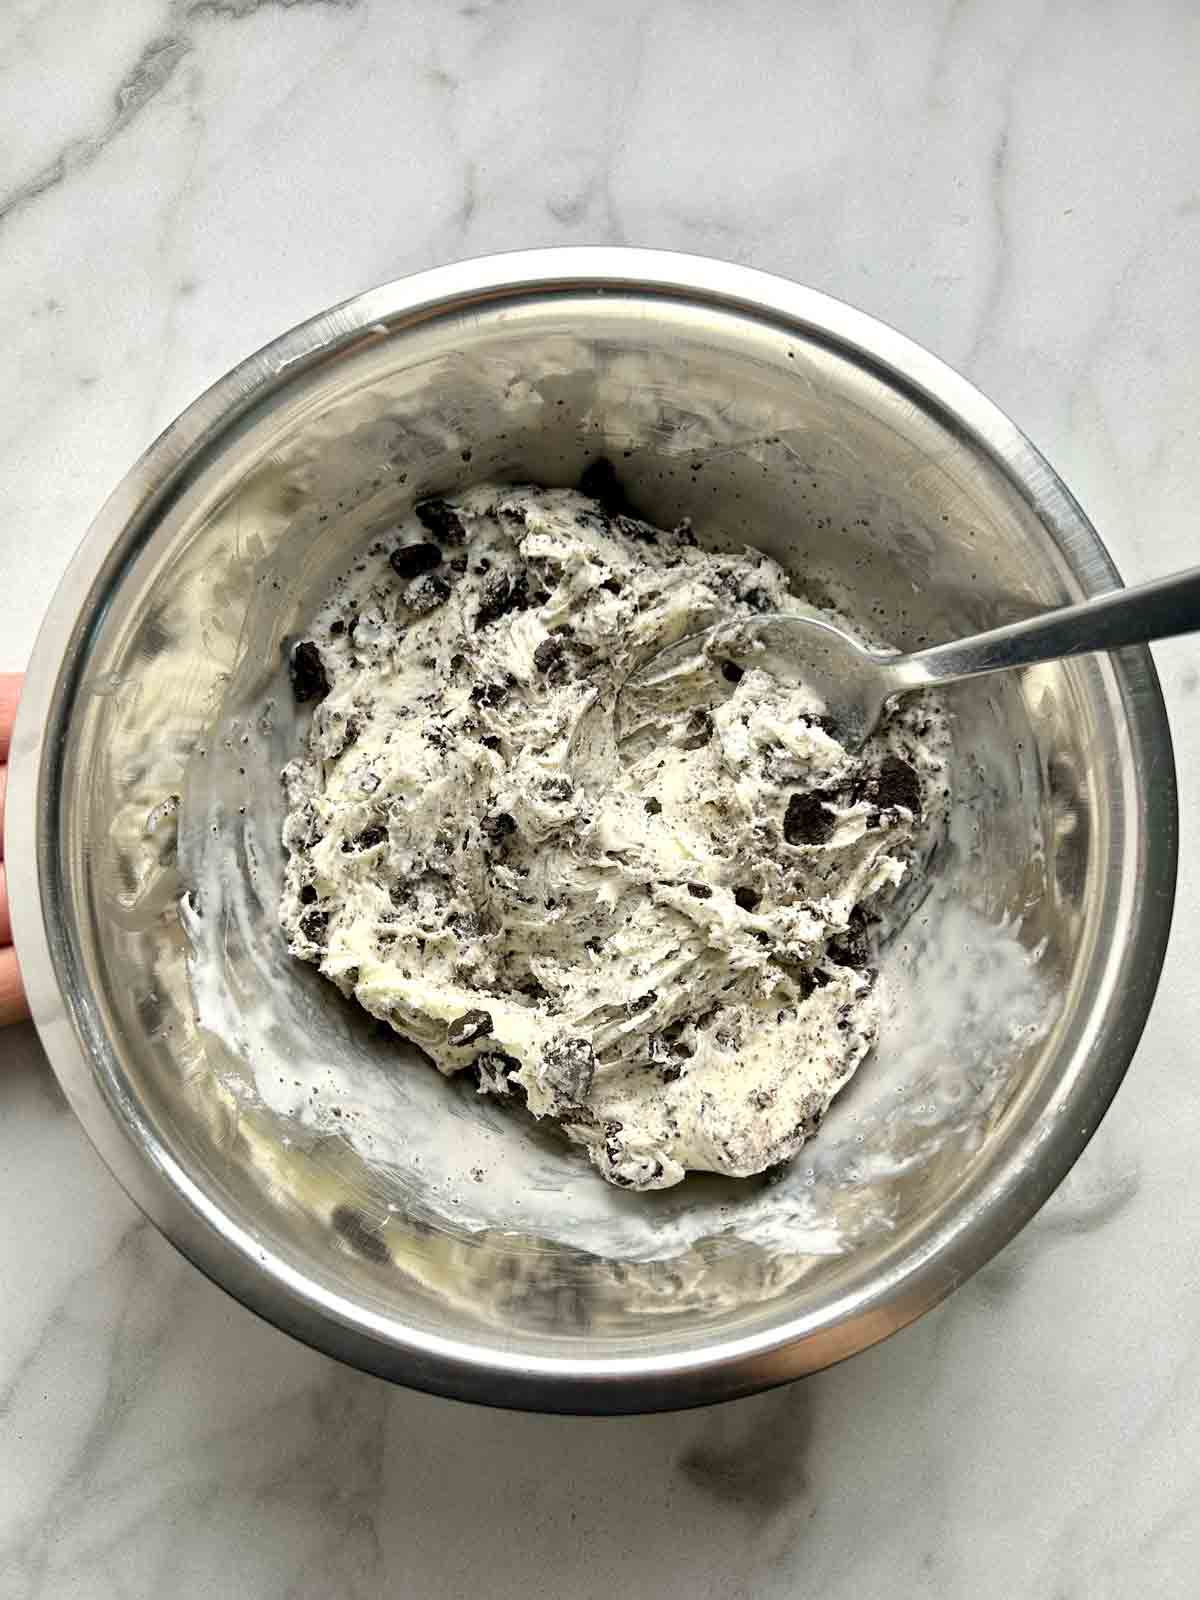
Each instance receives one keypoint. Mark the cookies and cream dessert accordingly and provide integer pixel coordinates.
(649, 917)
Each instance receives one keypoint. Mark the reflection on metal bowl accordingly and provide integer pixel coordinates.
(340, 1187)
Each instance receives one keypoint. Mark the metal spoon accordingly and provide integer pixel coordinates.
(857, 684)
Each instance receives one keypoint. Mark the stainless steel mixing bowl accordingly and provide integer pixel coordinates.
(310, 1166)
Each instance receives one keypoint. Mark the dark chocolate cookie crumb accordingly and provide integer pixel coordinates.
(501, 594)
(490, 694)
(494, 1073)
(699, 891)
(653, 807)
(470, 1026)
(442, 520)
(308, 895)
(895, 784)
(307, 672)
(499, 827)
(807, 820)
(549, 653)
(853, 948)
(427, 594)
(731, 672)
(558, 788)
(313, 925)
(411, 560)
(748, 899)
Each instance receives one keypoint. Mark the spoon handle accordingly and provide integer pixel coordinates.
(1156, 610)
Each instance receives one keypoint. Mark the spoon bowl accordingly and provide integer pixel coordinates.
(852, 686)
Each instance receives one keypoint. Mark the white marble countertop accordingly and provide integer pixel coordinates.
(1015, 187)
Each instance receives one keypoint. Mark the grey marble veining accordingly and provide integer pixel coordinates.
(1014, 186)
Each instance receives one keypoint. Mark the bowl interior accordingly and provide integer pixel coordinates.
(386, 1199)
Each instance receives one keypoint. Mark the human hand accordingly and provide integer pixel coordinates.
(13, 1005)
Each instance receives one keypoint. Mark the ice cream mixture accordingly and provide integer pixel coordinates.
(649, 917)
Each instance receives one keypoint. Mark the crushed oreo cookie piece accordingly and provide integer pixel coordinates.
(895, 784)
(498, 827)
(442, 520)
(699, 891)
(502, 593)
(731, 672)
(807, 821)
(307, 673)
(494, 1071)
(853, 948)
(747, 899)
(558, 788)
(313, 925)
(549, 653)
(652, 807)
(412, 560)
(470, 1026)
(427, 594)
(490, 695)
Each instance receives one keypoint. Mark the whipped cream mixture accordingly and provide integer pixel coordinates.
(647, 916)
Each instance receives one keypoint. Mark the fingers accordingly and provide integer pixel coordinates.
(10, 688)
(5, 919)
(13, 1005)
